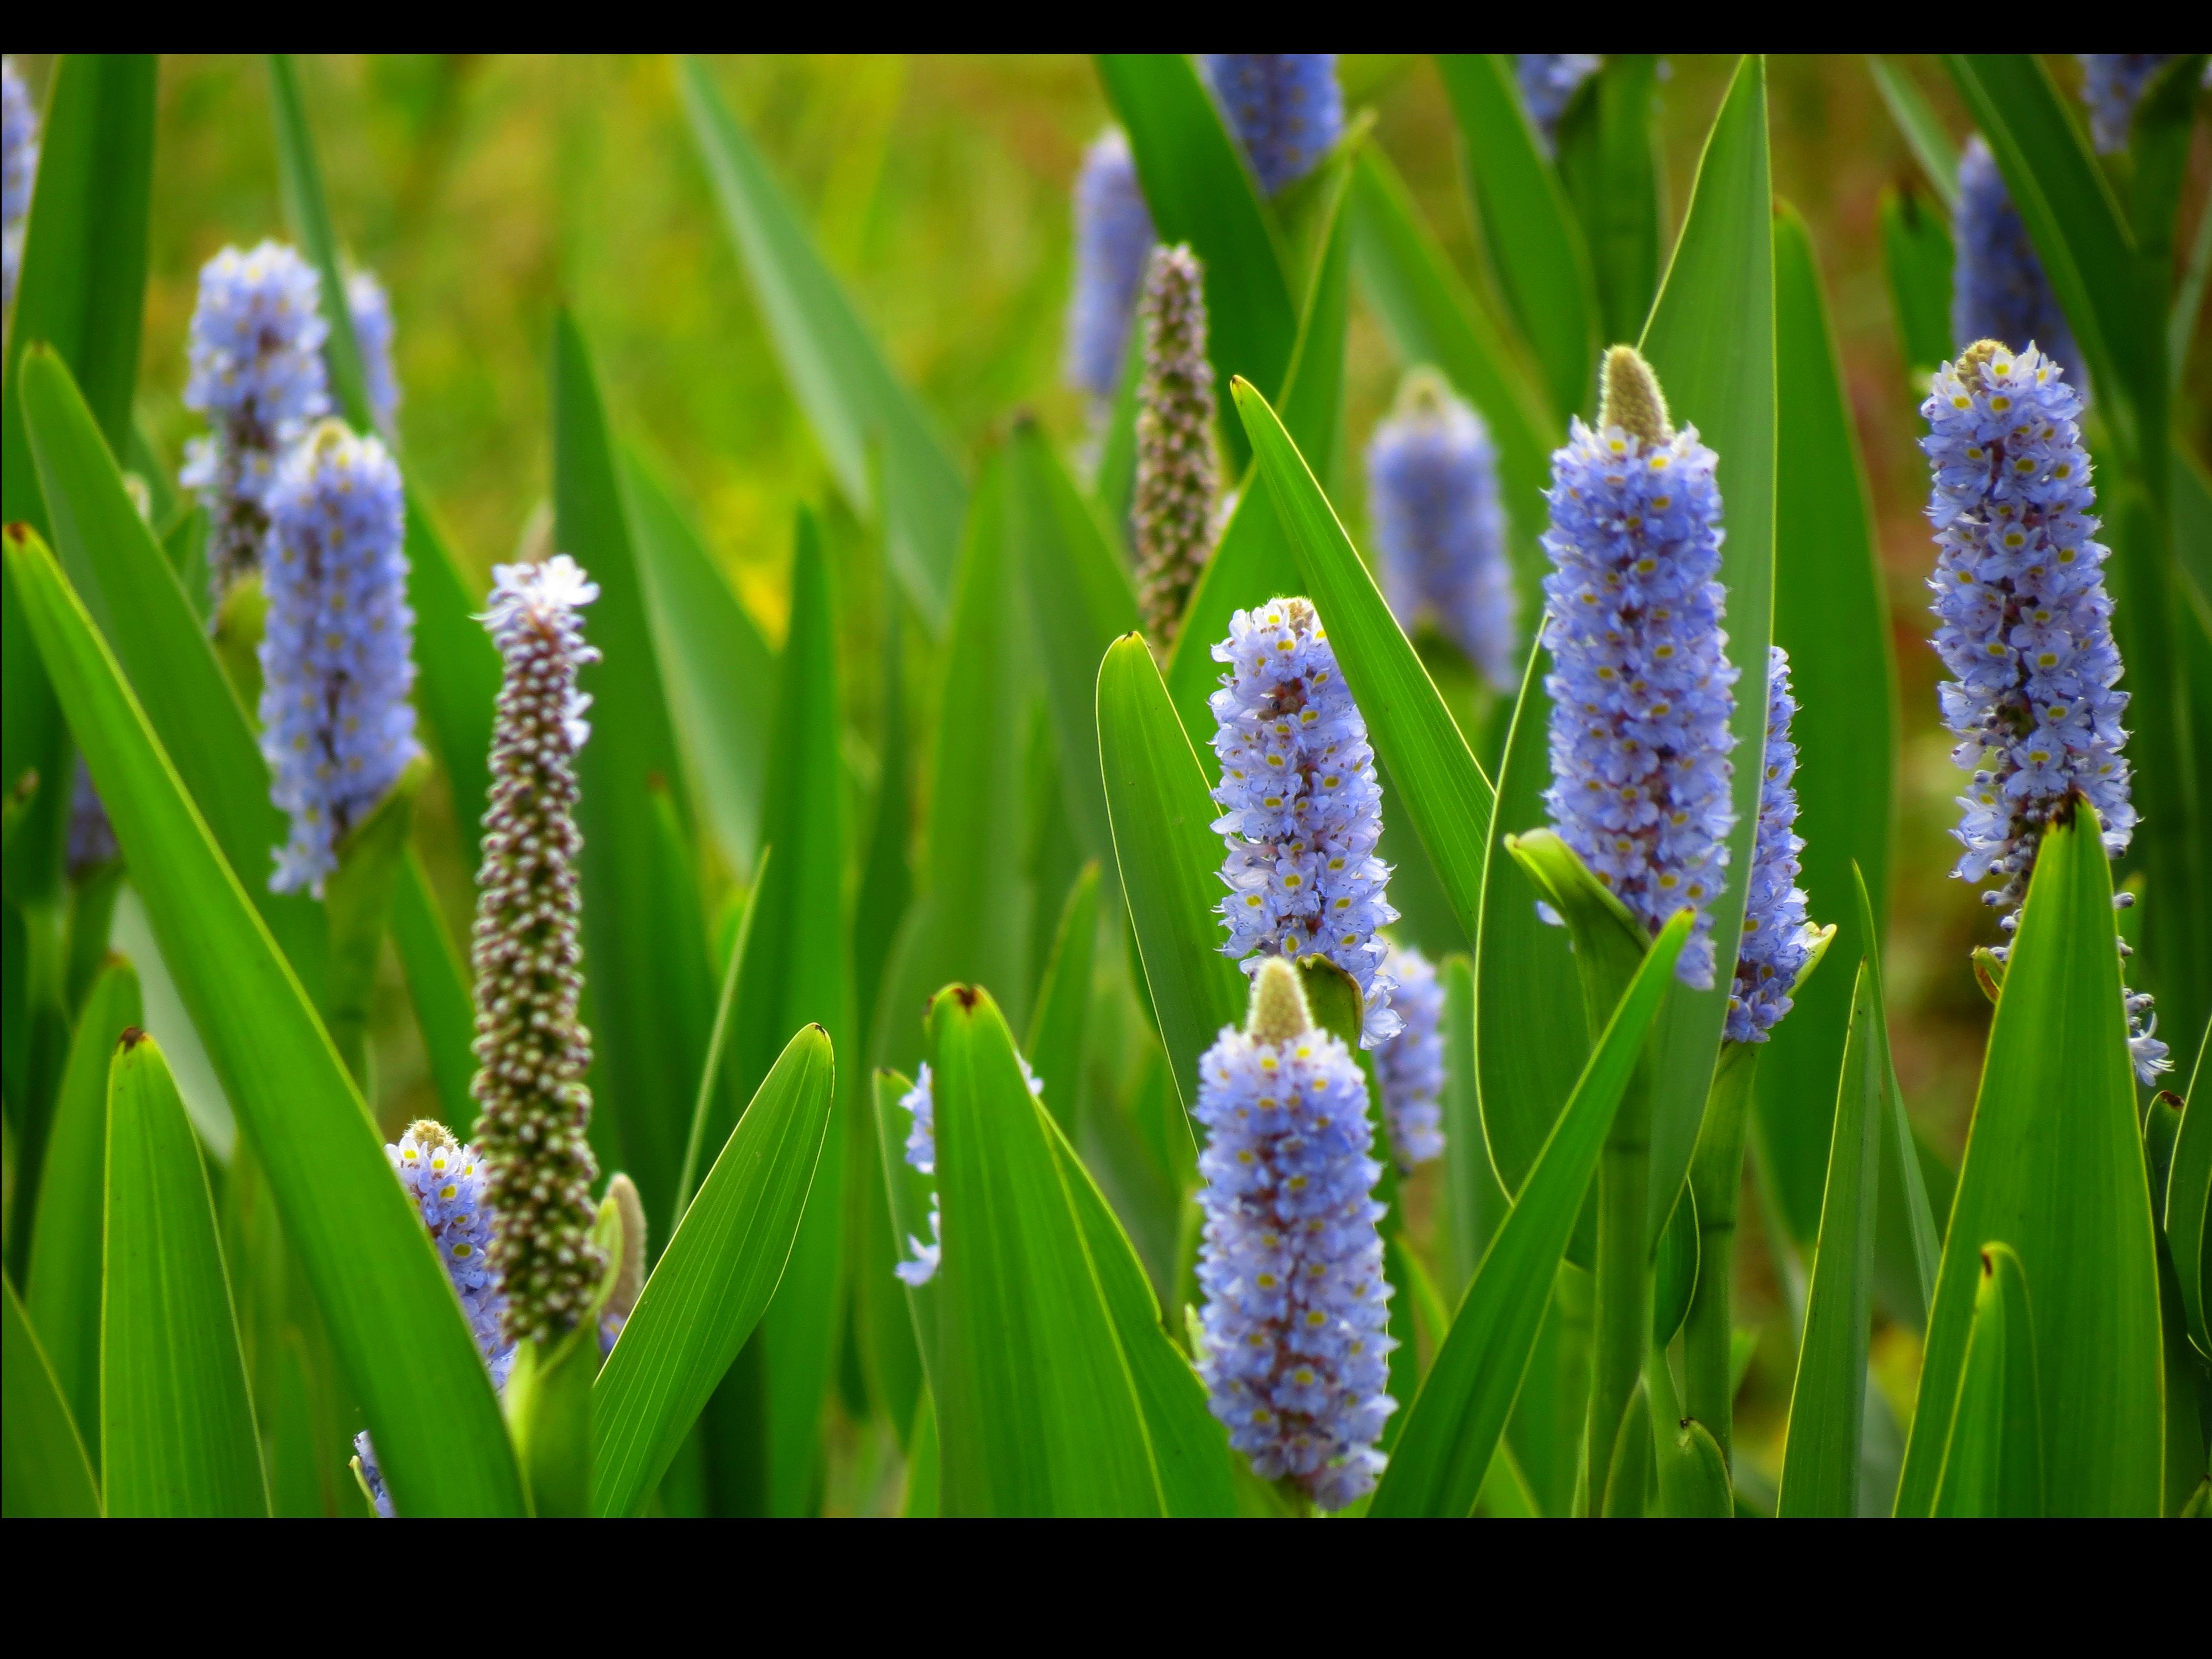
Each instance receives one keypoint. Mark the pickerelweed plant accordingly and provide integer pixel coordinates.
(18, 165)
(1264, 1159)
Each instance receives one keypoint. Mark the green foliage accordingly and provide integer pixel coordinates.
(43, 1471)
(1993, 1459)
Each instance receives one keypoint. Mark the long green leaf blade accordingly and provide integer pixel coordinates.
(1829, 615)
(43, 1471)
(1712, 339)
(1923, 131)
(1441, 787)
(176, 1428)
(1820, 1460)
(1452, 1431)
(1169, 860)
(1993, 1460)
(1038, 1411)
(2054, 1168)
(838, 372)
(713, 1281)
(405, 1352)
(1534, 240)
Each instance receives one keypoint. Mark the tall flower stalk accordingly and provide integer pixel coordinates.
(1176, 470)
(1285, 107)
(370, 308)
(1302, 812)
(337, 660)
(1297, 1323)
(1999, 290)
(257, 375)
(528, 957)
(2026, 629)
(2112, 84)
(1439, 529)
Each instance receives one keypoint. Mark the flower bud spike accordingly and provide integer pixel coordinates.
(1278, 1003)
(1632, 400)
(1177, 471)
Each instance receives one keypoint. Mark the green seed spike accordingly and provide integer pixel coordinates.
(1279, 1003)
(1633, 401)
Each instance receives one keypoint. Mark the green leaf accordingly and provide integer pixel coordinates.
(651, 996)
(1923, 131)
(1475, 1200)
(797, 971)
(1433, 317)
(1610, 164)
(358, 900)
(1712, 339)
(458, 666)
(1675, 1265)
(1038, 1411)
(406, 1354)
(970, 920)
(118, 569)
(716, 664)
(838, 373)
(82, 284)
(1058, 1026)
(2185, 1201)
(176, 1428)
(1690, 1470)
(1916, 251)
(2054, 1168)
(1169, 860)
(1821, 1462)
(62, 1290)
(1080, 603)
(887, 879)
(1829, 615)
(1533, 240)
(1452, 1431)
(714, 1073)
(43, 1471)
(438, 984)
(1993, 1459)
(1199, 192)
(1531, 1034)
(1252, 563)
(1441, 789)
(1190, 1449)
(713, 1281)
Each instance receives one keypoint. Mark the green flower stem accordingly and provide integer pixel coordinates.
(1716, 1183)
(1622, 1319)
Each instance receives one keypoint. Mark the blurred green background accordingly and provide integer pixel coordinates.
(486, 191)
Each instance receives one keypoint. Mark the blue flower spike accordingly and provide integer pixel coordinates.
(1548, 82)
(2024, 629)
(1114, 238)
(370, 308)
(1779, 945)
(533, 1050)
(18, 169)
(1439, 529)
(257, 375)
(1296, 1330)
(1410, 1066)
(2112, 84)
(337, 658)
(1641, 686)
(1999, 290)
(1285, 107)
(1302, 812)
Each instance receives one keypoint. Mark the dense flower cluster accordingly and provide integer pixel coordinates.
(1641, 687)
(370, 308)
(19, 167)
(2112, 84)
(1548, 82)
(1175, 467)
(528, 958)
(446, 1180)
(1296, 1322)
(1410, 1066)
(1301, 808)
(1285, 107)
(1114, 236)
(1777, 941)
(257, 374)
(2025, 624)
(920, 1102)
(1432, 490)
(1998, 289)
(337, 660)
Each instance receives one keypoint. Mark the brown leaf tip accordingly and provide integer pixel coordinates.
(967, 995)
(131, 1038)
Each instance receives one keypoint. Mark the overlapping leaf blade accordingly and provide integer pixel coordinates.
(713, 1280)
(43, 1472)
(390, 1315)
(2054, 1168)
